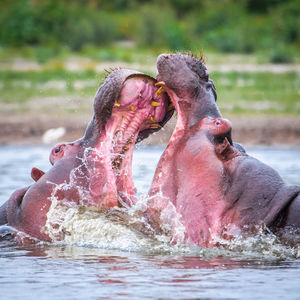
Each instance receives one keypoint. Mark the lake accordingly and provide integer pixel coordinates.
(113, 263)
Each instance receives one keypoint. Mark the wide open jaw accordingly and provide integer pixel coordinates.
(127, 108)
(138, 110)
(185, 80)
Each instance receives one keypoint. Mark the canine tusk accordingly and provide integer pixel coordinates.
(160, 91)
(160, 83)
(155, 126)
(155, 103)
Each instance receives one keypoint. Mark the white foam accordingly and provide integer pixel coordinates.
(127, 229)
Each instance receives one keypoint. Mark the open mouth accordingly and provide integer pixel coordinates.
(141, 108)
(128, 107)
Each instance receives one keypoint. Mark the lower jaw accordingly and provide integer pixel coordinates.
(123, 175)
(118, 164)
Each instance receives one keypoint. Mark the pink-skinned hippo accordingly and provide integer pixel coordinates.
(217, 189)
(18, 195)
(95, 170)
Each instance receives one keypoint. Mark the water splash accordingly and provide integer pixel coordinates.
(128, 229)
(263, 243)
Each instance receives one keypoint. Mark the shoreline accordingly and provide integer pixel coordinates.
(248, 130)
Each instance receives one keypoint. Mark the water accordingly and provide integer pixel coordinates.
(258, 269)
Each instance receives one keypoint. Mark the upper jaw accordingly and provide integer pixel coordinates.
(133, 107)
(115, 91)
(186, 80)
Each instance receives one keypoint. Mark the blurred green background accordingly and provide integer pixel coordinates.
(267, 27)
(53, 52)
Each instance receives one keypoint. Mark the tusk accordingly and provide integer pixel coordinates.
(131, 107)
(117, 104)
(155, 103)
(152, 119)
(160, 83)
(155, 126)
(160, 91)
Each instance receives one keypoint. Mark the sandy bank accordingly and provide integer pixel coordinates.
(250, 130)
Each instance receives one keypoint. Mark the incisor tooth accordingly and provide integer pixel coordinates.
(154, 103)
(155, 126)
(152, 119)
(117, 104)
(160, 91)
(160, 83)
(131, 107)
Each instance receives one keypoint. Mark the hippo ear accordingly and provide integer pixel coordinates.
(36, 174)
(225, 150)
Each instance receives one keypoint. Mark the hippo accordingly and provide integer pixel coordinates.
(36, 174)
(94, 171)
(216, 188)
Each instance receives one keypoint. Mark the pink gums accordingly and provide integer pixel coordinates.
(133, 112)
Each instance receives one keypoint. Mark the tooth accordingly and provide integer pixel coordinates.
(131, 107)
(154, 103)
(160, 83)
(125, 148)
(130, 141)
(152, 119)
(117, 104)
(155, 126)
(160, 91)
(116, 163)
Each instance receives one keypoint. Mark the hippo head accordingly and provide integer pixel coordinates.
(127, 108)
(200, 144)
(124, 97)
(186, 80)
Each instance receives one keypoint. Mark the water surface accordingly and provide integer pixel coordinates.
(256, 269)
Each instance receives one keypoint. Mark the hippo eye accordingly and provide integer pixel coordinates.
(57, 150)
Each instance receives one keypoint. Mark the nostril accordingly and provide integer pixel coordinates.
(218, 123)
